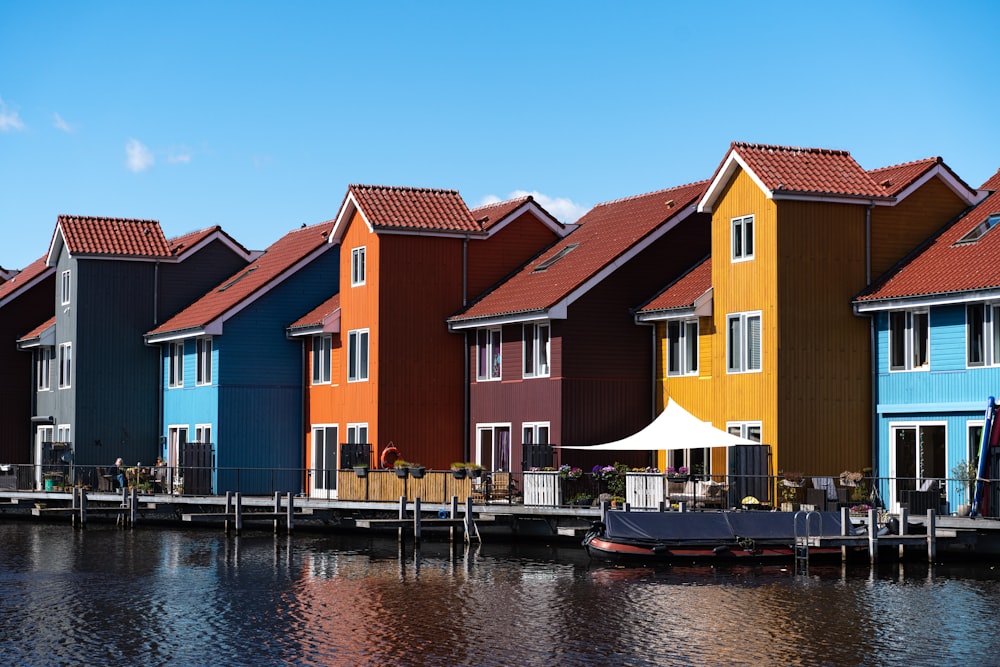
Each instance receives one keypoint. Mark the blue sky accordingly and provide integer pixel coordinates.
(256, 116)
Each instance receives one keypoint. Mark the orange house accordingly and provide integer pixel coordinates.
(382, 365)
(761, 340)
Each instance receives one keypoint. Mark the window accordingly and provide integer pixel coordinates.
(493, 450)
(203, 433)
(64, 290)
(547, 264)
(357, 355)
(324, 457)
(536, 350)
(175, 365)
(742, 231)
(63, 433)
(682, 347)
(357, 434)
(743, 342)
(65, 365)
(358, 266)
(747, 430)
(917, 455)
(979, 230)
(321, 360)
(982, 326)
(488, 364)
(535, 433)
(43, 366)
(909, 340)
(204, 360)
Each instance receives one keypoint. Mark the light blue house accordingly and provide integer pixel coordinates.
(937, 355)
(231, 382)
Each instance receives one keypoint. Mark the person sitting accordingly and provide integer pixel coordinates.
(117, 474)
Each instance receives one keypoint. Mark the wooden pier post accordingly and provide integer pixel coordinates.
(83, 508)
(277, 510)
(229, 510)
(402, 515)
(291, 512)
(133, 506)
(845, 525)
(904, 519)
(469, 525)
(872, 535)
(416, 521)
(931, 535)
(239, 512)
(453, 514)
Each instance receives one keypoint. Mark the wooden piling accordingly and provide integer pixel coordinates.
(416, 521)
(239, 512)
(83, 508)
(291, 512)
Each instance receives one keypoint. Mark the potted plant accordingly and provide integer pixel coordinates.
(617, 501)
(474, 470)
(965, 475)
(567, 471)
(789, 491)
(458, 470)
(402, 468)
(582, 499)
(417, 471)
(361, 469)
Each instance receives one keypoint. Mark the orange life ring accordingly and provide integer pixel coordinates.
(389, 456)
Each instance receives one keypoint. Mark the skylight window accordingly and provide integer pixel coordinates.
(237, 279)
(544, 266)
(980, 230)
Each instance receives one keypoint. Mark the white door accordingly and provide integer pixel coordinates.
(324, 461)
(43, 434)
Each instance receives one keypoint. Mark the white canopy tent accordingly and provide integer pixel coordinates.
(674, 428)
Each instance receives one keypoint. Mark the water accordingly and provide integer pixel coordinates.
(155, 596)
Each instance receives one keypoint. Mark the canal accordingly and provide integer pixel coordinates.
(152, 596)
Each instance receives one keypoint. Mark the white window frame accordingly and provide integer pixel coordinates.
(531, 433)
(489, 354)
(744, 343)
(65, 365)
(982, 338)
(66, 283)
(921, 475)
(358, 269)
(322, 359)
(175, 364)
(202, 433)
(64, 433)
(911, 323)
(43, 368)
(320, 462)
(742, 238)
(536, 350)
(357, 433)
(357, 355)
(748, 430)
(682, 357)
(498, 459)
(203, 361)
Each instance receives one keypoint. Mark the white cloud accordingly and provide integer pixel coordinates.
(9, 120)
(565, 210)
(60, 124)
(137, 156)
(179, 156)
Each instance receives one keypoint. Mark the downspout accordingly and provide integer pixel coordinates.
(653, 456)
(156, 293)
(303, 393)
(466, 387)
(871, 342)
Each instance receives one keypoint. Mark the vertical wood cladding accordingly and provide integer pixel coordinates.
(492, 260)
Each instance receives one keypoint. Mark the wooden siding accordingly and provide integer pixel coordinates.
(823, 349)
(421, 364)
(17, 383)
(184, 283)
(897, 230)
(493, 259)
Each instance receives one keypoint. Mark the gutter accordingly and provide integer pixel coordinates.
(871, 343)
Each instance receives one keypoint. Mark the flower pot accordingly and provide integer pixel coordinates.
(475, 473)
(418, 472)
(361, 471)
(402, 472)
(459, 473)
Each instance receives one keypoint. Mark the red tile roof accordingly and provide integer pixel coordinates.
(684, 291)
(38, 331)
(180, 244)
(488, 214)
(113, 237)
(942, 267)
(417, 209)
(992, 183)
(604, 234)
(25, 277)
(808, 170)
(896, 178)
(317, 316)
(250, 280)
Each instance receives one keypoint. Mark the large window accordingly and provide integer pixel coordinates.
(204, 360)
(917, 456)
(493, 450)
(357, 355)
(65, 365)
(64, 288)
(43, 368)
(909, 340)
(742, 232)
(324, 457)
(358, 266)
(682, 347)
(488, 357)
(175, 364)
(536, 350)
(743, 342)
(982, 329)
(321, 359)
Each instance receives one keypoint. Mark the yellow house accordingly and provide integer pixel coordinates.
(760, 339)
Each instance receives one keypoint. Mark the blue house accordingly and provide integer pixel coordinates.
(232, 381)
(936, 322)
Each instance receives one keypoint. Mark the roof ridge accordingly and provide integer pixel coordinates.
(401, 188)
(104, 218)
(503, 202)
(935, 159)
(649, 194)
(794, 149)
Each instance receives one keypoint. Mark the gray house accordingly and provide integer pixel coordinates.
(97, 382)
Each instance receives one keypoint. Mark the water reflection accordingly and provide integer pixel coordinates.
(158, 597)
